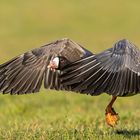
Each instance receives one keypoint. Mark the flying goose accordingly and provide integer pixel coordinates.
(66, 65)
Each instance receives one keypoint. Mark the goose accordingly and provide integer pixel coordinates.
(66, 65)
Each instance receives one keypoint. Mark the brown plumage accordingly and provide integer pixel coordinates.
(25, 73)
(115, 71)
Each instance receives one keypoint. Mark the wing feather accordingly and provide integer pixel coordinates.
(114, 71)
(25, 73)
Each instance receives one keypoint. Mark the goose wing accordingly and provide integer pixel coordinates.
(25, 73)
(115, 71)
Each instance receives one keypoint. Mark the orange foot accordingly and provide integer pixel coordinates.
(111, 117)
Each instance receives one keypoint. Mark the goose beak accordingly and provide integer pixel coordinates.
(53, 64)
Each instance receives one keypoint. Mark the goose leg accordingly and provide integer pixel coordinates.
(111, 116)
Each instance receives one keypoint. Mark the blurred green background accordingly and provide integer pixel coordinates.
(95, 24)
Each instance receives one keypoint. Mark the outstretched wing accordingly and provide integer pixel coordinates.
(25, 73)
(115, 71)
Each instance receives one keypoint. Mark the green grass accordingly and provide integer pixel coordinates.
(53, 115)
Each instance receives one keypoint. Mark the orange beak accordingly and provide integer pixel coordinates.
(52, 65)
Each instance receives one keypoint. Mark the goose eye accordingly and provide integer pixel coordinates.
(62, 61)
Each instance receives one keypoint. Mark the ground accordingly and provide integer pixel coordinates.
(66, 116)
(25, 25)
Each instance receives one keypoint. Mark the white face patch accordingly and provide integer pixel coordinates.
(56, 61)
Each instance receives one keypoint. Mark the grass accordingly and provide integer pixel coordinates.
(66, 116)
(53, 115)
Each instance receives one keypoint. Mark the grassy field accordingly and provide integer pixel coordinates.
(52, 115)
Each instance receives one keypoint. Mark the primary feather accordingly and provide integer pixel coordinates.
(25, 73)
(115, 71)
